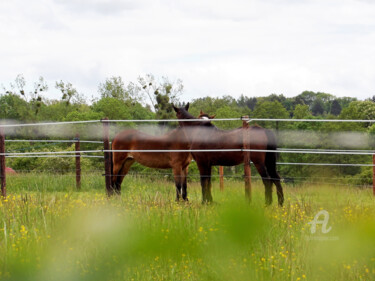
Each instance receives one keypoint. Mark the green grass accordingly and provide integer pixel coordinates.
(50, 231)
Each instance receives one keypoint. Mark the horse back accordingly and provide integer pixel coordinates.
(137, 140)
(216, 139)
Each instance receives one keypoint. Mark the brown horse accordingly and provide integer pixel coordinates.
(204, 135)
(136, 140)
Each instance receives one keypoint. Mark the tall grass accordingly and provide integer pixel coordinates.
(50, 231)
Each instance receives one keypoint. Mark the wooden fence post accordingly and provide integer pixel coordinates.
(2, 163)
(373, 174)
(246, 156)
(78, 162)
(107, 158)
(221, 172)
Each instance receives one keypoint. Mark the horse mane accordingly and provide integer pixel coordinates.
(256, 126)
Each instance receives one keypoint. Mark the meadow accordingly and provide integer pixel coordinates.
(50, 231)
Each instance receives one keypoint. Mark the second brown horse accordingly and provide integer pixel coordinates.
(129, 140)
(203, 135)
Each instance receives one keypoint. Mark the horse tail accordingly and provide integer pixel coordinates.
(271, 154)
(111, 159)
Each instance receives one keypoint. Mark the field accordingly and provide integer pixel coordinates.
(50, 231)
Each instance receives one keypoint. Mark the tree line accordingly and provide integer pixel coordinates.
(150, 97)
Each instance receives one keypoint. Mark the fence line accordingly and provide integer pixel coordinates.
(54, 156)
(312, 120)
(56, 141)
(133, 173)
(326, 164)
(48, 123)
(278, 163)
(295, 151)
(7, 154)
(245, 150)
(185, 120)
(107, 152)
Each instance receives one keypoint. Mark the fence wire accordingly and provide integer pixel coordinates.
(69, 154)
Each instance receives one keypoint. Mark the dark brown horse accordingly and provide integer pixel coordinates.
(136, 140)
(204, 135)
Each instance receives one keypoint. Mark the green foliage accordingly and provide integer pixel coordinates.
(228, 112)
(112, 108)
(270, 109)
(317, 107)
(210, 105)
(249, 102)
(149, 98)
(359, 110)
(55, 110)
(114, 87)
(59, 165)
(68, 92)
(14, 107)
(335, 107)
(301, 112)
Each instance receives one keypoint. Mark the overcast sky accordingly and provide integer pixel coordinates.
(250, 47)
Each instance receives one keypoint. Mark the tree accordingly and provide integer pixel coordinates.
(301, 112)
(114, 87)
(211, 105)
(69, 93)
(227, 112)
(317, 107)
(34, 97)
(112, 108)
(306, 97)
(159, 94)
(117, 110)
(14, 107)
(270, 109)
(335, 107)
(244, 101)
(364, 110)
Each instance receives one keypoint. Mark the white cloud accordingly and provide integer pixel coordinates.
(216, 47)
(104, 7)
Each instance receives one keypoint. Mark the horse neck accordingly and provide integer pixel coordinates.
(197, 130)
(178, 136)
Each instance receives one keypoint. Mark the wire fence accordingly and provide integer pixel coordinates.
(88, 153)
(247, 119)
(56, 141)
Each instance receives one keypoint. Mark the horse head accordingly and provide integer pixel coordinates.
(203, 115)
(182, 112)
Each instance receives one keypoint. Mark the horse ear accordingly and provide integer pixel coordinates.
(187, 106)
(201, 112)
(175, 108)
(213, 116)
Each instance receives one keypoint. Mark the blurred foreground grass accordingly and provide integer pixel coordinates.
(49, 231)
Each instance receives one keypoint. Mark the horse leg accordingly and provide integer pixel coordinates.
(205, 172)
(177, 172)
(275, 177)
(184, 183)
(266, 181)
(118, 160)
(119, 173)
